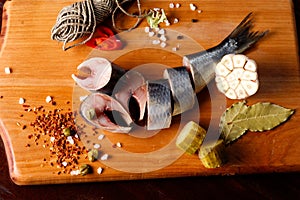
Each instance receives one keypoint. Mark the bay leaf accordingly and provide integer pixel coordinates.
(261, 116)
(228, 129)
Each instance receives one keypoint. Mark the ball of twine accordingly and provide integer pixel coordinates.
(80, 19)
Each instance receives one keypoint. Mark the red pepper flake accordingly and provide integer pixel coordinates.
(105, 39)
(48, 129)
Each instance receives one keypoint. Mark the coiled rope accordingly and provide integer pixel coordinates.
(80, 19)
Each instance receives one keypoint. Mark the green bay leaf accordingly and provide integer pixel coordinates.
(261, 116)
(229, 130)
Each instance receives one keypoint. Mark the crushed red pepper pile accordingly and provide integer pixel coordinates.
(56, 130)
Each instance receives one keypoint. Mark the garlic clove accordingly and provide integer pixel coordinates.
(239, 60)
(250, 87)
(250, 65)
(233, 84)
(231, 94)
(241, 92)
(227, 61)
(223, 85)
(221, 70)
(238, 73)
(249, 75)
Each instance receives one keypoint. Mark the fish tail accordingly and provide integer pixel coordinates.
(241, 38)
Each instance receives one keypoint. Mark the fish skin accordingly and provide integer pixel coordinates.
(159, 104)
(99, 103)
(182, 89)
(202, 64)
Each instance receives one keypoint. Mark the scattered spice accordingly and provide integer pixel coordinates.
(179, 37)
(195, 20)
(85, 169)
(67, 132)
(57, 127)
(93, 155)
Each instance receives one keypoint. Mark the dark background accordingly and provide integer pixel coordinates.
(258, 186)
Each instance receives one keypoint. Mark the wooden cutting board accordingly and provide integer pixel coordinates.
(40, 68)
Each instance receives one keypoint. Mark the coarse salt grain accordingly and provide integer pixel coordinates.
(104, 157)
(171, 5)
(52, 139)
(82, 98)
(97, 146)
(7, 70)
(99, 170)
(199, 11)
(163, 45)
(147, 29)
(193, 7)
(151, 34)
(167, 23)
(48, 99)
(161, 31)
(174, 49)
(119, 144)
(155, 42)
(177, 5)
(163, 38)
(100, 137)
(21, 101)
(70, 140)
(175, 21)
(64, 163)
(75, 172)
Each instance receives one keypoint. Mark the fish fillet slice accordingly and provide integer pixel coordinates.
(182, 89)
(95, 109)
(158, 105)
(132, 84)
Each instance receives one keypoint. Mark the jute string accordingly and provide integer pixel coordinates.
(80, 19)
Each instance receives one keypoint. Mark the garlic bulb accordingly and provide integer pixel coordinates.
(236, 76)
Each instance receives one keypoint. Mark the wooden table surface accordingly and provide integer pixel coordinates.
(258, 186)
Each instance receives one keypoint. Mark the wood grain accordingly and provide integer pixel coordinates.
(41, 68)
